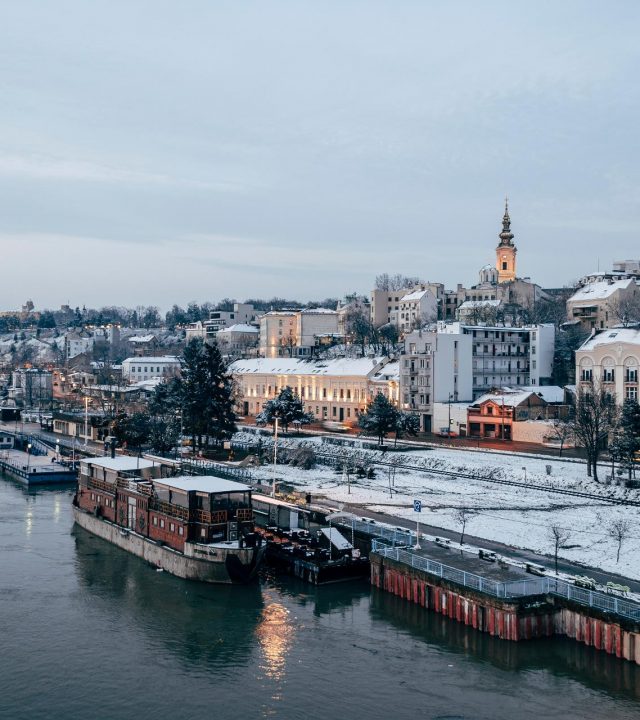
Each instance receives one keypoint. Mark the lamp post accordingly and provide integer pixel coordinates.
(275, 457)
(525, 474)
(28, 456)
(86, 419)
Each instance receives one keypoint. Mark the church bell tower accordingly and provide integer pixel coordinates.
(506, 250)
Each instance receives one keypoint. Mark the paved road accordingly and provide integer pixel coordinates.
(564, 566)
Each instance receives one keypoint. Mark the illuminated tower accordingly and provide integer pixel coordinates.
(506, 250)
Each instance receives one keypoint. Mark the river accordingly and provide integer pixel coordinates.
(88, 631)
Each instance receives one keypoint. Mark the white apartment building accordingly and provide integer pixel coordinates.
(611, 359)
(598, 304)
(296, 333)
(135, 369)
(337, 390)
(239, 340)
(508, 356)
(434, 368)
(386, 305)
(415, 310)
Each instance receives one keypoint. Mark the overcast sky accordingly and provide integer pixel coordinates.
(159, 152)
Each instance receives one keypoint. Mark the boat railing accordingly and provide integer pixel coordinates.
(169, 509)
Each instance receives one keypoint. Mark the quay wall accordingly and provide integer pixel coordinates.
(523, 619)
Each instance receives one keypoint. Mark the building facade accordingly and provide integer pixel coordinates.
(337, 390)
(136, 369)
(601, 302)
(434, 367)
(610, 360)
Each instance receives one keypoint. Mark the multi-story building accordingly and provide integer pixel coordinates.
(297, 333)
(508, 356)
(611, 360)
(415, 310)
(144, 368)
(239, 340)
(434, 367)
(337, 390)
(242, 313)
(407, 307)
(601, 302)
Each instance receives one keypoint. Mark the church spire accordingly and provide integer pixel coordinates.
(506, 236)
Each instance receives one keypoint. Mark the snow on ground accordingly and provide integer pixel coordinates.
(516, 516)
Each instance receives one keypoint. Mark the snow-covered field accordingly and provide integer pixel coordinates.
(516, 516)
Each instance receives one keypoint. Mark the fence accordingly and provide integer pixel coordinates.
(514, 589)
(207, 467)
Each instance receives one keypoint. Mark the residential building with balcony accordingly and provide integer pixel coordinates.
(242, 313)
(297, 333)
(434, 367)
(508, 356)
(601, 303)
(610, 360)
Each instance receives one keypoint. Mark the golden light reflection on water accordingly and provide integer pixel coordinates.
(275, 634)
(29, 521)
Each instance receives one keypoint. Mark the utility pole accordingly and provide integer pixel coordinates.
(275, 457)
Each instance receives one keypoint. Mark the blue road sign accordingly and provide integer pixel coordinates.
(417, 506)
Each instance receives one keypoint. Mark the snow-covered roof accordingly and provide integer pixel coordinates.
(549, 393)
(122, 463)
(508, 399)
(470, 304)
(413, 296)
(391, 371)
(142, 338)
(240, 328)
(203, 483)
(600, 290)
(291, 366)
(318, 311)
(160, 359)
(611, 337)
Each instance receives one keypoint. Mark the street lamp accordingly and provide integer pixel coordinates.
(86, 419)
(275, 457)
(28, 455)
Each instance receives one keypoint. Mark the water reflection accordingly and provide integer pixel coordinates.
(207, 625)
(275, 633)
(559, 656)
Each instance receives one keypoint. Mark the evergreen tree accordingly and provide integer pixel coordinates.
(134, 430)
(288, 408)
(206, 393)
(380, 419)
(407, 424)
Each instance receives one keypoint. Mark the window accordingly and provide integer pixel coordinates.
(504, 265)
(172, 527)
(180, 530)
(154, 521)
(631, 393)
(632, 375)
(608, 374)
(161, 523)
(586, 375)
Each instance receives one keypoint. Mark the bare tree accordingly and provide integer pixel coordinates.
(619, 530)
(462, 516)
(562, 431)
(395, 282)
(559, 537)
(626, 310)
(595, 417)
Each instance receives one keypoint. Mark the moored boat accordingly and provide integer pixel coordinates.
(195, 527)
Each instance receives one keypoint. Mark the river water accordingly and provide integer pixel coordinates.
(88, 631)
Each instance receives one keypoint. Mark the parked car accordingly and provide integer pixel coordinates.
(445, 432)
(333, 426)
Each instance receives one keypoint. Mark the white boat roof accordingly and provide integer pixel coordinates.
(202, 483)
(121, 463)
(337, 538)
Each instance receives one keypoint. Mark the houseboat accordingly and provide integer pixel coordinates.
(195, 527)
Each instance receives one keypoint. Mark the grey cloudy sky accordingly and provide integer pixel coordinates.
(161, 152)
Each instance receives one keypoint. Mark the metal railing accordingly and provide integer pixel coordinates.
(513, 589)
(205, 467)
